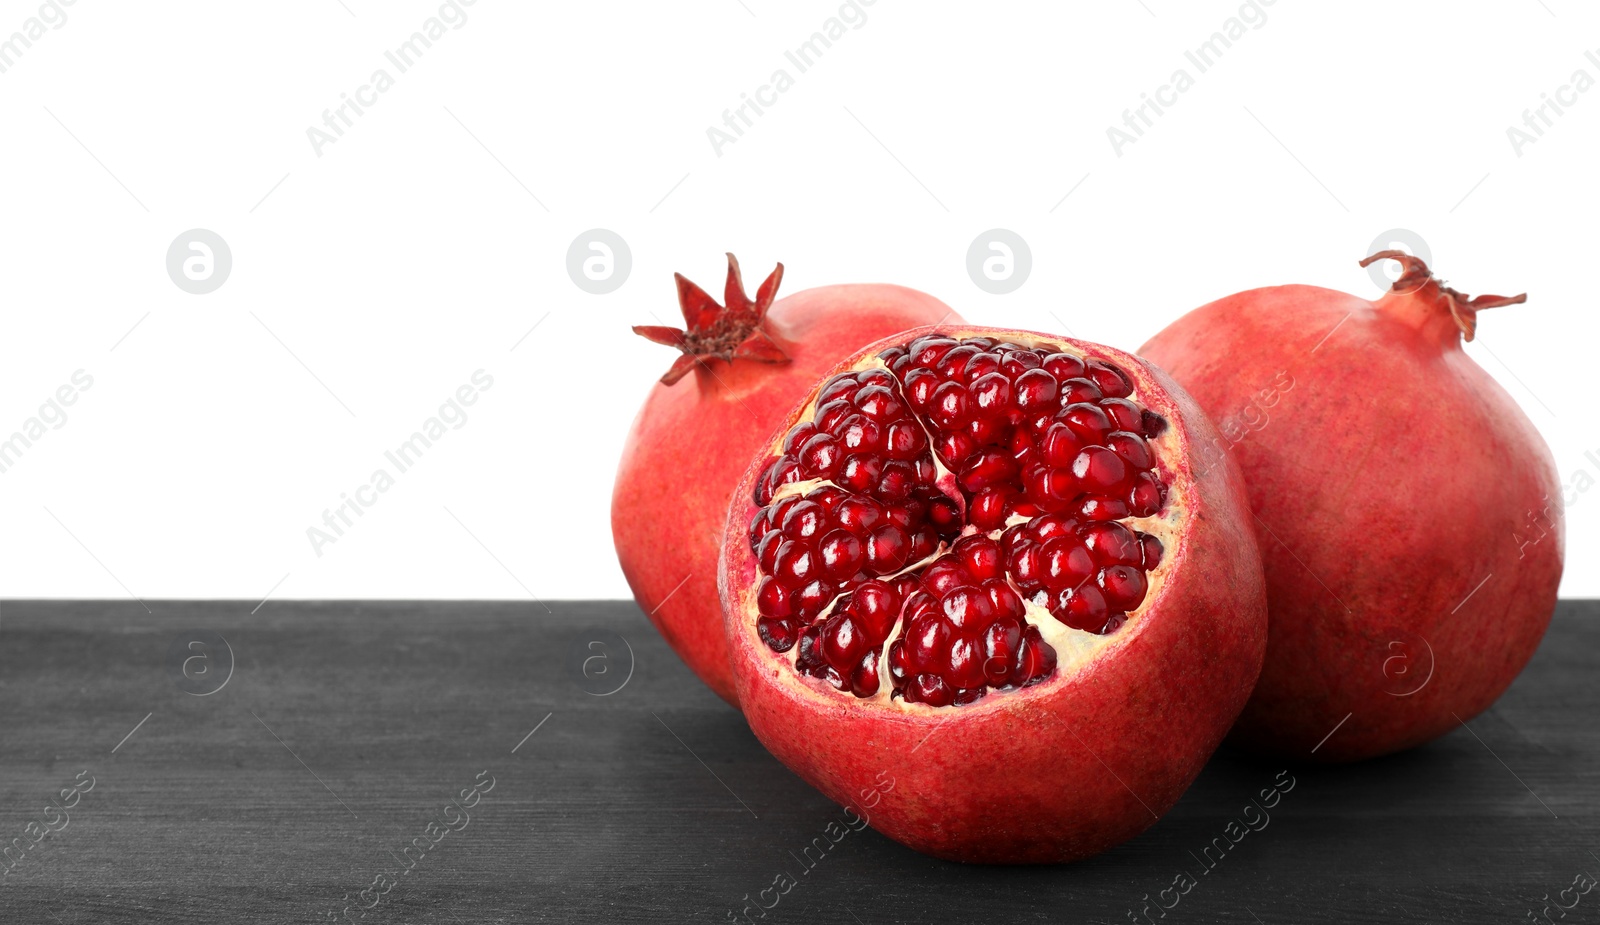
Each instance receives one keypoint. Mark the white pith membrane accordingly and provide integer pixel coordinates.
(1075, 649)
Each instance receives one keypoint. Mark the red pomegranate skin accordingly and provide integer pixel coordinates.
(693, 439)
(1408, 512)
(1069, 767)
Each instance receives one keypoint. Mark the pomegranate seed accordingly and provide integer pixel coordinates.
(1099, 507)
(955, 446)
(927, 350)
(1124, 586)
(966, 663)
(779, 635)
(841, 386)
(860, 515)
(991, 467)
(842, 555)
(1100, 470)
(843, 643)
(920, 384)
(760, 526)
(991, 392)
(1060, 446)
(887, 549)
(1112, 381)
(1132, 448)
(796, 563)
(1051, 526)
(877, 607)
(1006, 602)
(986, 430)
(988, 511)
(860, 472)
(968, 609)
(1146, 497)
(931, 690)
(772, 599)
(828, 496)
(899, 478)
(1037, 389)
(1065, 562)
(1112, 544)
(1087, 422)
(861, 434)
(980, 556)
(1083, 607)
(899, 668)
(1016, 362)
(944, 515)
(951, 405)
(804, 520)
(944, 576)
(1063, 366)
(953, 363)
(928, 638)
(812, 599)
(1075, 391)
(1000, 644)
(864, 680)
(1152, 550)
(1123, 413)
(830, 414)
(877, 377)
(905, 440)
(767, 552)
(981, 365)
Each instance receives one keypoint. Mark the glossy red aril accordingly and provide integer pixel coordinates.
(1409, 513)
(1042, 577)
(743, 365)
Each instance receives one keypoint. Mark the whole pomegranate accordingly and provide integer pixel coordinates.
(1407, 510)
(750, 362)
(977, 587)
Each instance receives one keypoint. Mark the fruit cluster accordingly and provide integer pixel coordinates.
(1012, 464)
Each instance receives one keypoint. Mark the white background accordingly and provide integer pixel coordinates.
(411, 253)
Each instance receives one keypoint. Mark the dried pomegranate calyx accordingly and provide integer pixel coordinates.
(946, 516)
(1417, 280)
(734, 330)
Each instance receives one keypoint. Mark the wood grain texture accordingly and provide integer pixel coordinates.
(346, 728)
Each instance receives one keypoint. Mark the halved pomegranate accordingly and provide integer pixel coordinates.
(981, 562)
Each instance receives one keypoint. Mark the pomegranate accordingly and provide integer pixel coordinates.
(696, 433)
(981, 563)
(1407, 510)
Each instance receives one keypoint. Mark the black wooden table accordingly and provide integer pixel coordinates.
(317, 784)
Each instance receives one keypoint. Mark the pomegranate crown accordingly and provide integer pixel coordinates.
(736, 330)
(1416, 277)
